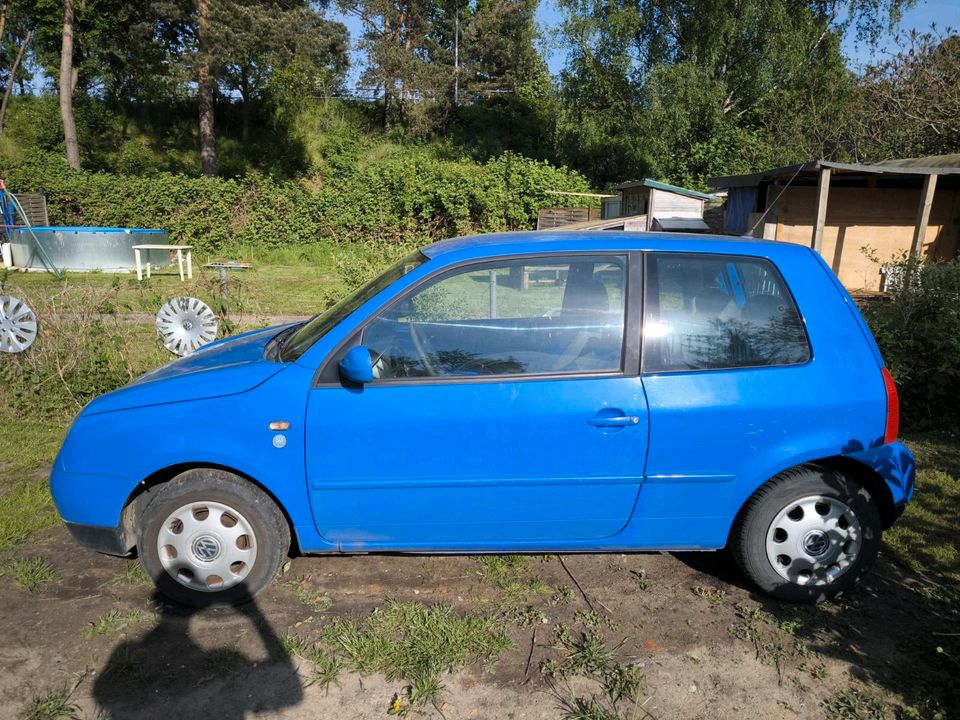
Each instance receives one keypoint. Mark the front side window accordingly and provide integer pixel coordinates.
(510, 317)
(305, 336)
(707, 312)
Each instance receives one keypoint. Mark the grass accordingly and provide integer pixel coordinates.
(925, 538)
(586, 654)
(132, 574)
(26, 446)
(295, 281)
(854, 703)
(513, 577)
(114, 621)
(415, 643)
(55, 705)
(28, 573)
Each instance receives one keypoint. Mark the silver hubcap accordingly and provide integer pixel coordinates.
(207, 546)
(18, 325)
(814, 540)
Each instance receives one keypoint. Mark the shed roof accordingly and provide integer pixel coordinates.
(647, 182)
(930, 165)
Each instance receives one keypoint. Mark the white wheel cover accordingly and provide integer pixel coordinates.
(185, 324)
(18, 325)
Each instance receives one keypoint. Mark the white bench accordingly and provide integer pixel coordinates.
(179, 249)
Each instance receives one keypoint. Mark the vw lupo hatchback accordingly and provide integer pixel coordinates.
(523, 392)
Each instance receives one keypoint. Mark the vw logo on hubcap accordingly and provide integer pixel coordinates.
(816, 543)
(206, 547)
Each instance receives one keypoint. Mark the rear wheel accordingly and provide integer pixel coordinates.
(808, 534)
(212, 538)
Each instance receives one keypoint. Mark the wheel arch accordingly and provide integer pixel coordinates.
(145, 491)
(862, 474)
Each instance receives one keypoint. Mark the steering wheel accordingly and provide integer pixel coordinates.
(422, 346)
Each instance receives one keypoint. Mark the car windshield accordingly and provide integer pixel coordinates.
(321, 324)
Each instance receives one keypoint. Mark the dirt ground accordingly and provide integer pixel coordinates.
(706, 644)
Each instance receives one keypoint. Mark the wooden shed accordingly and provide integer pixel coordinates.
(859, 217)
(659, 205)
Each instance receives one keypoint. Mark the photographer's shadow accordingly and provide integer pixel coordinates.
(167, 674)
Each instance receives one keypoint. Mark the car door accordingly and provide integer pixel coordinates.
(508, 411)
(725, 369)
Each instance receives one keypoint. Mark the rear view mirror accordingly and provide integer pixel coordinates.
(356, 366)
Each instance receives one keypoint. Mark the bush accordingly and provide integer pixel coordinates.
(918, 330)
(400, 197)
(83, 350)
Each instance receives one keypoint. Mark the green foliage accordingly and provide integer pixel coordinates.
(399, 198)
(414, 642)
(918, 331)
(854, 703)
(28, 573)
(52, 706)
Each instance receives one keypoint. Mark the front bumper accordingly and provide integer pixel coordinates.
(107, 540)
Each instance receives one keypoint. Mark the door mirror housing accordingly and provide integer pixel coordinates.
(356, 365)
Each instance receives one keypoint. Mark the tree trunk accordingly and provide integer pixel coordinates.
(387, 83)
(245, 93)
(208, 138)
(67, 83)
(13, 75)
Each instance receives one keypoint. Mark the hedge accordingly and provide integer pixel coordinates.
(405, 198)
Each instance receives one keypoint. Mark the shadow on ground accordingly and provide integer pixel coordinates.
(246, 671)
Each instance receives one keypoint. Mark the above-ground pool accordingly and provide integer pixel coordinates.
(86, 248)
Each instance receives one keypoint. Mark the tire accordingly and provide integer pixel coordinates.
(211, 538)
(807, 535)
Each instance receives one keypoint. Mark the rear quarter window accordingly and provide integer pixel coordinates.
(711, 312)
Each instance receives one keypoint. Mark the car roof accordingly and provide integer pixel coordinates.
(604, 240)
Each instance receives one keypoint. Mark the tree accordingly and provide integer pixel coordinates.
(716, 68)
(68, 81)
(258, 38)
(909, 105)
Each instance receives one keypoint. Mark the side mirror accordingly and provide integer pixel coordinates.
(356, 366)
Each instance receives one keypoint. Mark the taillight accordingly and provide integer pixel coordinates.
(892, 426)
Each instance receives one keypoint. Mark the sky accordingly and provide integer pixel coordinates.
(942, 12)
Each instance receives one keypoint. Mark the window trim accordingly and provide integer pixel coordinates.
(328, 374)
(728, 257)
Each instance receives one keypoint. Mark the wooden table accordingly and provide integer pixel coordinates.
(179, 249)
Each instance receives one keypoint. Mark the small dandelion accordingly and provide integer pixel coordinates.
(396, 705)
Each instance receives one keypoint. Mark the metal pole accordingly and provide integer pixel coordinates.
(456, 57)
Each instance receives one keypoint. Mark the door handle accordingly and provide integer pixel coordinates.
(615, 421)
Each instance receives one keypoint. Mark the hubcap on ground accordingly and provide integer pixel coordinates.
(207, 546)
(814, 540)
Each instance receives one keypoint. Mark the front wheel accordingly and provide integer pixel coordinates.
(211, 538)
(807, 535)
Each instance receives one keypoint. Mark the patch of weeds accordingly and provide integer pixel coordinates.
(294, 645)
(512, 576)
(564, 595)
(580, 708)
(114, 621)
(28, 573)
(55, 705)
(817, 670)
(414, 642)
(758, 628)
(326, 667)
(132, 574)
(714, 596)
(525, 617)
(640, 579)
(589, 656)
(316, 600)
(595, 621)
(855, 703)
(126, 662)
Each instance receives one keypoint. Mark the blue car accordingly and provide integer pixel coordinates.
(519, 392)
